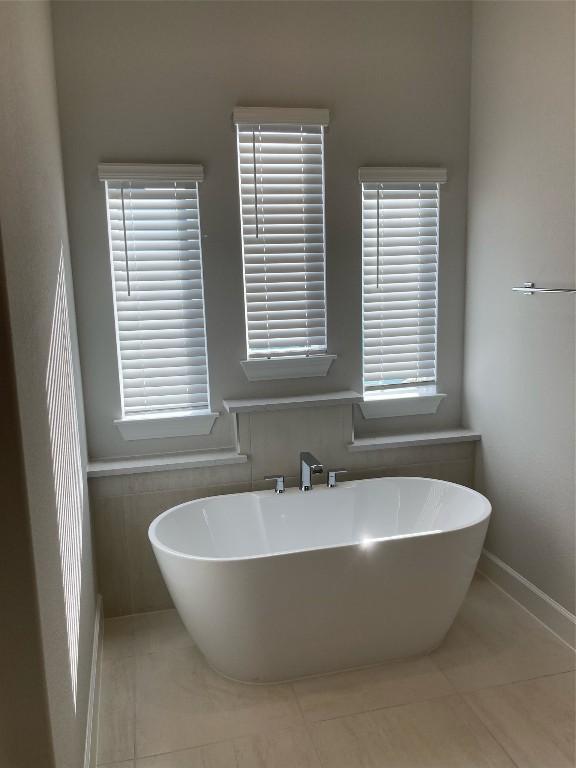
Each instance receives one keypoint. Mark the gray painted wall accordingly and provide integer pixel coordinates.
(148, 82)
(519, 379)
(35, 248)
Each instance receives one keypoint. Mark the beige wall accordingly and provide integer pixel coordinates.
(153, 81)
(519, 380)
(35, 252)
(124, 506)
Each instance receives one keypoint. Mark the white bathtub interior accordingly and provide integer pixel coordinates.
(362, 512)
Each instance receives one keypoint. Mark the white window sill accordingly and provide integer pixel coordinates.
(182, 424)
(251, 405)
(141, 464)
(296, 367)
(442, 437)
(405, 401)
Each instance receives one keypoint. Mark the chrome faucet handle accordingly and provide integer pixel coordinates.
(279, 479)
(331, 476)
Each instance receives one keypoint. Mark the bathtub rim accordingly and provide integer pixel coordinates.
(156, 543)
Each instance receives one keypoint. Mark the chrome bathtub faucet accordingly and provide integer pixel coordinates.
(309, 465)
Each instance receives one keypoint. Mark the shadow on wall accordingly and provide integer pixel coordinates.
(67, 466)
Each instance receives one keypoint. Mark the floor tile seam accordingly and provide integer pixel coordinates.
(307, 727)
(382, 708)
(185, 749)
(134, 679)
(168, 652)
(149, 613)
(161, 652)
(540, 622)
(386, 664)
(308, 724)
(126, 654)
(298, 704)
(132, 697)
(462, 700)
(121, 617)
(442, 673)
(321, 762)
(123, 657)
(217, 742)
(465, 691)
(489, 730)
(135, 653)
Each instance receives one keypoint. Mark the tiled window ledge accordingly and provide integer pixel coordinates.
(414, 439)
(140, 464)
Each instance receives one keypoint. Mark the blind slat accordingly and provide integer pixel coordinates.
(281, 181)
(400, 277)
(154, 236)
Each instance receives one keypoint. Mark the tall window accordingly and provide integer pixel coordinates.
(400, 276)
(156, 257)
(281, 176)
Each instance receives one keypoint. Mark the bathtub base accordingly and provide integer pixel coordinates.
(305, 614)
(327, 673)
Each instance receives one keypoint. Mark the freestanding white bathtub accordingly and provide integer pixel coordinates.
(275, 587)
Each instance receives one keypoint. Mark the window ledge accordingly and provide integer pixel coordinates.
(250, 405)
(406, 441)
(405, 401)
(295, 367)
(141, 464)
(176, 425)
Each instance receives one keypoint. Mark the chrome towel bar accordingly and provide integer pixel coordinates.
(530, 288)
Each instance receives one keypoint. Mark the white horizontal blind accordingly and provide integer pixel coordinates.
(281, 174)
(154, 233)
(400, 275)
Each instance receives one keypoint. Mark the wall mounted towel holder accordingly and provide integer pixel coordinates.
(530, 288)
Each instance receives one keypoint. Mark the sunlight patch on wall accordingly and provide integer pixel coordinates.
(67, 466)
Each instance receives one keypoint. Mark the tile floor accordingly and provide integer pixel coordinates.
(499, 693)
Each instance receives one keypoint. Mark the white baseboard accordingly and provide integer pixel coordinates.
(91, 742)
(553, 615)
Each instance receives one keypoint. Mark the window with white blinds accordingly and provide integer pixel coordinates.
(156, 257)
(281, 177)
(400, 219)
